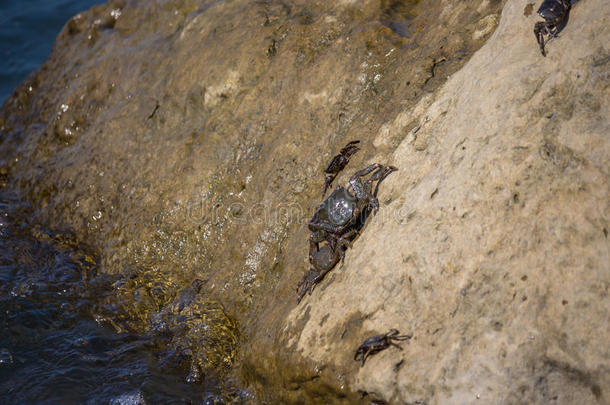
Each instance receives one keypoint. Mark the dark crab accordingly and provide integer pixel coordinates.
(378, 343)
(344, 210)
(322, 262)
(554, 13)
(338, 163)
(337, 221)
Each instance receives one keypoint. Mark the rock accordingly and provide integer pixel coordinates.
(197, 138)
(501, 273)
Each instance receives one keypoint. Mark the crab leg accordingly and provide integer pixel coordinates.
(364, 356)
(364, 172)
(395, 345)
(314, 242)
(539, 30)
(386, 172)
(402, 337)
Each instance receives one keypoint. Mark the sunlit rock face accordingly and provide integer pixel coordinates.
(492, 243)
(187, 140)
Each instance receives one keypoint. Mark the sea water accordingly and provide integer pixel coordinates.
(27, 31)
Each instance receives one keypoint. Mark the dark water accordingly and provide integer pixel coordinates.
(53, 349)
(27, 31)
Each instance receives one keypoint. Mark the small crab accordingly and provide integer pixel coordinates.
(378, 343)
(337, 221)
(322, 262)
(554, 13)
(338, 163)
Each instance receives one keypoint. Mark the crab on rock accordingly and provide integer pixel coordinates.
(378, 343)
(554, 13)
(337, 221)
(338, 163)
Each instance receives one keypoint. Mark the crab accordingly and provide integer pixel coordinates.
(343, 210)
(322, 261)
(377, 343)
(337, 221)
(338, 163)
(554, 13)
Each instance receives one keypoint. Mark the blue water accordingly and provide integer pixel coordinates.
(27, 31)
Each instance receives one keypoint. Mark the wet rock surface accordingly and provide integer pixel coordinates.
(186, 140)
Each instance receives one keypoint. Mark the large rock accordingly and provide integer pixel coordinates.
(491, 246)
(186, 140)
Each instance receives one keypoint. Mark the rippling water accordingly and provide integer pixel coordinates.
(27, 31)
(53, 350)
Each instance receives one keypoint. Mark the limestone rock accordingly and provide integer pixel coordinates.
(491, 244)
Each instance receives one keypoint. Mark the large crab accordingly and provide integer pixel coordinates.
(337, 221)
(554, 13)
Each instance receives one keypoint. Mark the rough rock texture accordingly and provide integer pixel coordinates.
(492, 244)
(186, 140)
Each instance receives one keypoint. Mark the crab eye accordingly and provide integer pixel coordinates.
(340, 211)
